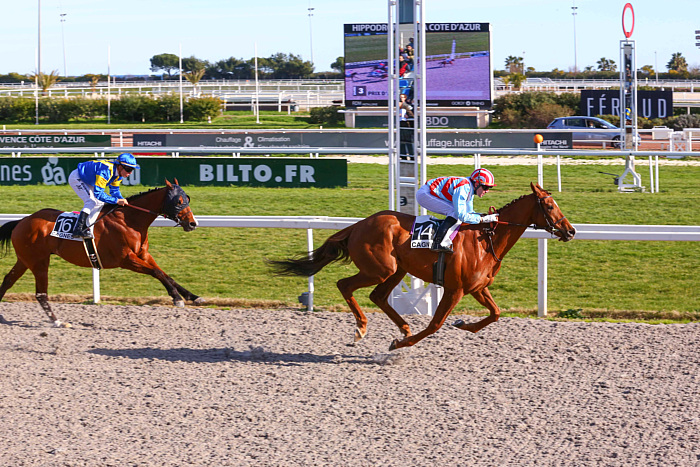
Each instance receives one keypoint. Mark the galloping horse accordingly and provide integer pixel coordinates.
(121, 238)
(380, 248)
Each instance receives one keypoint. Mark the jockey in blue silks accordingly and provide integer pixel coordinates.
(454, 198)
(90, 181)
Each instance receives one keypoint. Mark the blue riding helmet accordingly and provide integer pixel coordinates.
(128, 160)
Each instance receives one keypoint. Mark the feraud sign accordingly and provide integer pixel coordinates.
(195, 171)
(650, 104)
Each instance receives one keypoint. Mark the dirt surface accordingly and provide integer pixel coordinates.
(159, 386)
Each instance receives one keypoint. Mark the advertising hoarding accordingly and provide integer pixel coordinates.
(458, 64)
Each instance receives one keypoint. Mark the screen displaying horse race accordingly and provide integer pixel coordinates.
(458, 64)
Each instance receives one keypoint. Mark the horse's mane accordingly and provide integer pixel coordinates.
(143, 193)
(518, 199)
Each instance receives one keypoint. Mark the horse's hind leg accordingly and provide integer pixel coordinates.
(380, 296)
(40, 269)
(11, 277)
(347, 286)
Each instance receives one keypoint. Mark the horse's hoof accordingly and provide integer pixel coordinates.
(394, 345)
(359, 335)
(61, 324)
(179, 303)
(458, 324)
(199, 301)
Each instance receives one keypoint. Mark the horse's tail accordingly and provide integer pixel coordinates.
(6, 234)
(308, 264)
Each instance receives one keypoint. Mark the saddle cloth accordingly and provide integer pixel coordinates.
(424, 230)
(63, 228)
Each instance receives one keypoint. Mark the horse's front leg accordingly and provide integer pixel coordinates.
(484, 297)
(449, 300)
(197, 300)
(134, 263)
(40, 269)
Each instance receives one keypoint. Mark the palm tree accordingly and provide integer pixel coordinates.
(194, 77)
(514, 64)
(46, 81)
(605, 64)
(677, 63)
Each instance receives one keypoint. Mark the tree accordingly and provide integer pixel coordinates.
(677, 63)
(165, 62)
(338, 65)
(192, 63)
(647, 70)
(514, 64)
(517, 80)
(232, 68)
(46, 81)
(194, 77)
(605, 64)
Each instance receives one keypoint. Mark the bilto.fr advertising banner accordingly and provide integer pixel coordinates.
(55, 141)
(196, 171)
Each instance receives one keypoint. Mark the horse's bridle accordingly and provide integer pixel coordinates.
(170, 212)
(551, 227)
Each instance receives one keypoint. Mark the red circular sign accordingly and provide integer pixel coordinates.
(624, 28)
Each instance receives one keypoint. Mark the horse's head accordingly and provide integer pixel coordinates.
(550, 217)
(176, 207)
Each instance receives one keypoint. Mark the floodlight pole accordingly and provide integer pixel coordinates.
(38, 60)
(63, 40)
(311, 41)
(573, 13)
(180, 65)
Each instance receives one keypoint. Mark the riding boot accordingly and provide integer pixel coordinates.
(81, 229)
(441, 234)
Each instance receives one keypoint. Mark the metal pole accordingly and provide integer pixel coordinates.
(63, 40)
(257, 89)
(109, 80)
(573, 13)
(651, 173)
(390, 108)
(182, 120)
(311, 41)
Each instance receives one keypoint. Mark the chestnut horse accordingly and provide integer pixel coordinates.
(380, 247)
(121, 238)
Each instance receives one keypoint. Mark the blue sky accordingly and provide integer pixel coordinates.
(540, 31)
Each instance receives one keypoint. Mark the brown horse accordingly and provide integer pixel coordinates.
(121, 237)
(380, 248)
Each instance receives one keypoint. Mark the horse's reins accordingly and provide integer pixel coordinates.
(551, 226)
(139, 208)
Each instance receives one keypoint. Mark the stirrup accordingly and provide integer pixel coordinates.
(441, 249)
(83, 234)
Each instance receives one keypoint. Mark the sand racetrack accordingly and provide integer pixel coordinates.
(160, 386)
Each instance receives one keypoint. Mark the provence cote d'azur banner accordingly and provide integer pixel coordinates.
(196, 171)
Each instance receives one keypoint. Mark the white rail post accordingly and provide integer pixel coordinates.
(95, 285)
(559, 172)
(651, 174)
(657, 174)
(541, 277)
(310, 246)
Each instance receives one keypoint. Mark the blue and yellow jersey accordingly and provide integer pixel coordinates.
(460, 192)
(102, 174)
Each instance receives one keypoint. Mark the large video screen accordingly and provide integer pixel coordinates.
(458, 64)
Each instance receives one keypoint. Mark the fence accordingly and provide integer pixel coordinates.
(310, 223)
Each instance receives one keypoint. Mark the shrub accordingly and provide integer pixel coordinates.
(685, 121)
(200, 109)
(325, 115)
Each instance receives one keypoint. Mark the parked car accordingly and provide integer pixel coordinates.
(595, 125)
